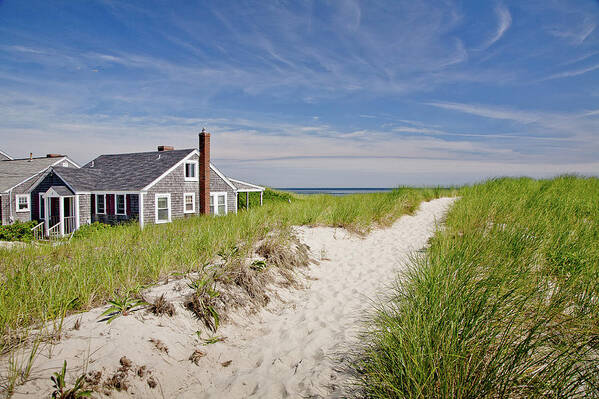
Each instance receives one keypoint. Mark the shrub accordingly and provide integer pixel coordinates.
(19, 231)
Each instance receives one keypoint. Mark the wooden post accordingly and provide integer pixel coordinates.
(61, 215)
(47, 214)
(261, 198)
(247, 200)
(77, 221)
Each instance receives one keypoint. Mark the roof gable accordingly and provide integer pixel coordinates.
(17, 171)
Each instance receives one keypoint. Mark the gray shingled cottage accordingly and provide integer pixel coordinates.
(150, 187)
(16, 178)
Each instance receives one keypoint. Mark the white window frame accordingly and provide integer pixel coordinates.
(98, 196)
(196, 168)
(27, 197)
(39, 206)
(116, 204)
(214, 196)
(193, 196)
(168, 198)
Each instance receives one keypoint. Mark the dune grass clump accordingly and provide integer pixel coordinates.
(505, 304)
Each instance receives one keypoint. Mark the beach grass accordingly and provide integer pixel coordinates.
(505, 304)
(40, 283)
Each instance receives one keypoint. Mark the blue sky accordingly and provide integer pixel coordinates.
(310, 93)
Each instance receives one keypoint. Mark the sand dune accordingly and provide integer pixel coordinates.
(293, 348)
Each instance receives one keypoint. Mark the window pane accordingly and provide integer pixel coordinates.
(162, 214)
(221, 200)
(190, 170)
(211, 201)
(162, 203)
(221, 209)
(120, 204)
(211, 209)
(189, 199)
(100, 201)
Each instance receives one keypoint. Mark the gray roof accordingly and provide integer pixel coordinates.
(245, 186)
(61, 190)
(14, 172)
(122, 172)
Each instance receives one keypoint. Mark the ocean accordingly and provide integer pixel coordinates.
(335, 191)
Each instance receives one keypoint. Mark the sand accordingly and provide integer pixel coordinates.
(295, 347)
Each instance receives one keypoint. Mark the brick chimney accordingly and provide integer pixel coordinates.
(204, 172)
(54, 155)
(165, 148)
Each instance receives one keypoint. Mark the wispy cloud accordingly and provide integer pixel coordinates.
(504, 21)
(489, 112)
(576, 36)
(573, 72)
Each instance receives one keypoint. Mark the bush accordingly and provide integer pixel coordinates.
(19, 231)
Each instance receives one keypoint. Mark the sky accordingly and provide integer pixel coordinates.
(310, 93)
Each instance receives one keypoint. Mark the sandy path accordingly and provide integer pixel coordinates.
(288, 350)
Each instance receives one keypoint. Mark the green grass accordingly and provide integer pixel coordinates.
(40, 283)
(505, 303)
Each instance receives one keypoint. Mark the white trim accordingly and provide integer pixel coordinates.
(193, 196)
(96, 204)
(116, 205)
(61, 159)
(77, 221)
(109, 192)
(175, 166)
(39, 206)
(141, 210)
(6, 155)
(214, 201)
(196, 165)
(219, 174)
(17, 197)
(257, 187)
(156, 197)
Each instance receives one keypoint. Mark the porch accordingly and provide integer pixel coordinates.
(58, 212)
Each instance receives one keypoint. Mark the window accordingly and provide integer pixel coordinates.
(163, 208)
(121, 204)
(42, 206)
(218, 203)
(65, 164)
(101, 204)
(191, 171)
(189, 203)
(22, 203)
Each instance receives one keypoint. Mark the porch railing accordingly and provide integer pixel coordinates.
(69, 225)
(54, 232)
(38, 231)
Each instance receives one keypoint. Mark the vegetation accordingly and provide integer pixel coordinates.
(18, 231)
(504, 304)
(60, 387)
(39, 283)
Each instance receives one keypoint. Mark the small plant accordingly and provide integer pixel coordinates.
(210, 340)
(258, 265)
(121, 307)
(161, 306)
(60, 389)
(228, 254)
